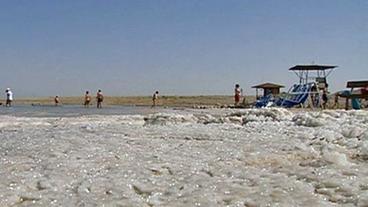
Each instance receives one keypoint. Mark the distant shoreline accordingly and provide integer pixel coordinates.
(167, 101)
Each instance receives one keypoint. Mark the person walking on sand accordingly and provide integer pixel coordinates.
(324, 99)
(87, 99)
(154, 99)
(336, 104)
(57, 100)
(9, 97)
(237, 95)
(99, 98)
(242, 94)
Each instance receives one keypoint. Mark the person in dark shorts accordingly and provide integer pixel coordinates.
(57, 100)
(324, 99)
(237, 95)
(99, 98)
(9, 97)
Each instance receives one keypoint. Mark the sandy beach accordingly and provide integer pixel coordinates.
(213, 101)
(168, 101)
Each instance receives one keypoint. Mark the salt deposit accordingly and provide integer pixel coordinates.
(216, 157)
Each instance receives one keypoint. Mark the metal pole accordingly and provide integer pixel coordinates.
(306, 77)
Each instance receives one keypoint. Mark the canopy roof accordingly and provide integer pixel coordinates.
(357, 84)
(313, 67)
(268, 85)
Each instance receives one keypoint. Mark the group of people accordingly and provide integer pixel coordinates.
(86, 103)
(238, 93)
(87, 99)
(100, 98)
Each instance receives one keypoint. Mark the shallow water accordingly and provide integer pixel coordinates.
(73, 110)
(262, 157)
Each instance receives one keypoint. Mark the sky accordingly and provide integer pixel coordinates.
(179, 47)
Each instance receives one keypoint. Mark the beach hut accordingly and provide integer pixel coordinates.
(268, 88)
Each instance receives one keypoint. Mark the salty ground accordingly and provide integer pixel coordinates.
(217, 157)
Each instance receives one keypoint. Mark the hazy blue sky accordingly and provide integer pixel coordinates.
(178, 47)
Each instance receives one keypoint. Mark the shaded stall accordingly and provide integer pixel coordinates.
(268, 88)
(313, 73)
(358, 90)
(316, 74)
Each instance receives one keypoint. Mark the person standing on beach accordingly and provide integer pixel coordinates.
(242, 94)
(99, 98)
(57, 100)
(336, 104)
(237, 92)
(154, 99)
(324, 99)
(87, 99)
(9, 97)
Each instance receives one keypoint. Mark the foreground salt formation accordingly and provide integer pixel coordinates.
(263, 157)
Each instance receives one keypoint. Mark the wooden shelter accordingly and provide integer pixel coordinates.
(268, 88)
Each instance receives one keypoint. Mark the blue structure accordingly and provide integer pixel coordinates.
(298, 95)
(355, 103)
(312, 82)
(264, 101)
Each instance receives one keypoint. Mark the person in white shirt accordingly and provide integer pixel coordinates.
(154, 98)
(9, 97)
